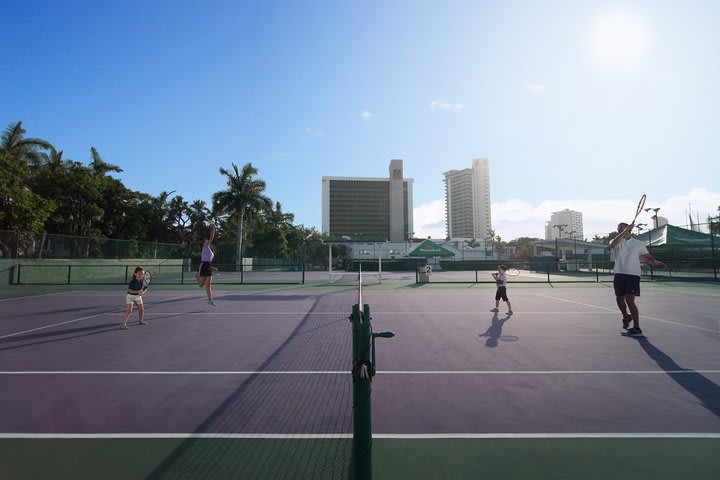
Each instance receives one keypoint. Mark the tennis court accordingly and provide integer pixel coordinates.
(260, 387)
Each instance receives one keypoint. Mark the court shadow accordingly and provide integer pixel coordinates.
(494, 332)
(246, 408)
(67, 334)
(272, 297)
(698, 385)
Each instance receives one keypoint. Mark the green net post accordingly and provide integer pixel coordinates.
(362, 390)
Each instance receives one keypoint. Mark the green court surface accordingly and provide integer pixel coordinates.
(418, 459)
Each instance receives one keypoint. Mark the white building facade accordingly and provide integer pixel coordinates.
(467, 201)
(565, 224)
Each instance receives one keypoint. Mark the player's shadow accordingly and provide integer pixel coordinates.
(699, 386)
(494, 331)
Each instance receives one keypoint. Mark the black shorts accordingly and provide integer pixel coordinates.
(625, 284)
(501, 294)
(205, 269)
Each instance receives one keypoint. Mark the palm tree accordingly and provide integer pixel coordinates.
(54, 159)
(490, 238)
(99, 166)
(244, 199)
(14, 145)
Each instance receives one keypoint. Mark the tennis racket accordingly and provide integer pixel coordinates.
(146, 280)
(512, 272)
(640, 206)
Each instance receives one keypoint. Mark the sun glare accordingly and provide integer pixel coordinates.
(619, 40)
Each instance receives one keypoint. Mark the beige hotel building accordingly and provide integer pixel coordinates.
(368, 209)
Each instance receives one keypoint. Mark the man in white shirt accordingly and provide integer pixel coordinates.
(628, 252)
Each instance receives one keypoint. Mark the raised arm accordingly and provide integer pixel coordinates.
(212, 234)
(615, 241)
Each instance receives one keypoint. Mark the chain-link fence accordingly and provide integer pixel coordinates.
(15, 244)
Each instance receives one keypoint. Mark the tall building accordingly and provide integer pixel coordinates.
(369, 209)
(467, 201)
(565, 224)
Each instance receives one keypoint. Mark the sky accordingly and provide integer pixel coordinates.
(580, 105)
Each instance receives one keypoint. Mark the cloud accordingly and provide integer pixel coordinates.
(535, 88)
(367, 116)
(438, 105)
(429, 219)
(314, 132)
(514, 217)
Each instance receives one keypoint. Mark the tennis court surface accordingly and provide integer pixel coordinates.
(259, 386)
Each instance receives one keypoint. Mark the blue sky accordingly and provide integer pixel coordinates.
(580, 105)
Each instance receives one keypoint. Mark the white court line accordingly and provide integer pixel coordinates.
(53, 325)
(641, 316)
(431, 436)
(345, 372)
(110, 312)
(345, 313)
(339, 436)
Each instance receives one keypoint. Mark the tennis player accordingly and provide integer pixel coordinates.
(626, 281)
(501, 281)
(206, 258)
(134, 296)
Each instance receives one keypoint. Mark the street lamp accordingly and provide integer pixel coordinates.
(572, 234)
(654, 217)
(640, 227)
(560, 228)
(410, 236)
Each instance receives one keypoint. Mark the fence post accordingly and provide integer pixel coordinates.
(712, 248)
(548, 270)
(69, 269)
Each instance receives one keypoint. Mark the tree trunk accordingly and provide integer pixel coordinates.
(239, 240)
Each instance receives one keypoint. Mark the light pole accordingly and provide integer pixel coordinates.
(654, 217)
(560, 228)
(572, 234)
(410, 236)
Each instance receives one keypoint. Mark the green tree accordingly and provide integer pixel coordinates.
(20, 208)
(179, 216)
(244, 199)
(200, 216)
(490, 238)
(523, 249)
(15, 146)
(277, 217)
(157, 219)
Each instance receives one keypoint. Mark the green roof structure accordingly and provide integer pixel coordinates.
(672, 236)
(428, 249)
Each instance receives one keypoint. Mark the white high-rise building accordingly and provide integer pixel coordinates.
(467, 201)
(565, 224)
